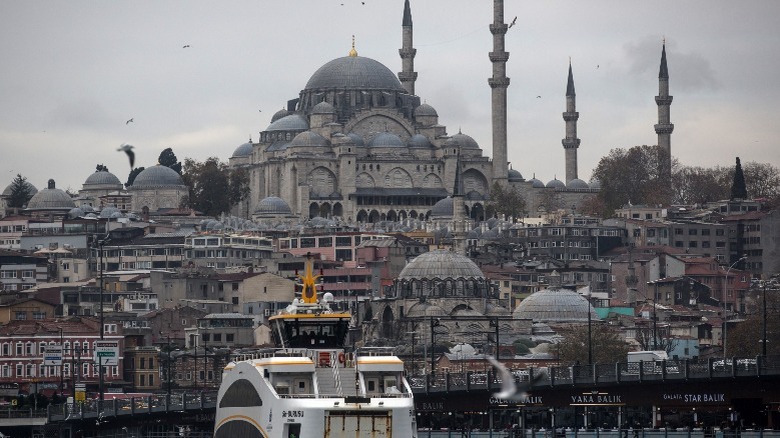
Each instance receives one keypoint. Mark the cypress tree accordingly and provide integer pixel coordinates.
(738, 189)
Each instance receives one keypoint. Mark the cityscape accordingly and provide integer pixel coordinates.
(629, 290)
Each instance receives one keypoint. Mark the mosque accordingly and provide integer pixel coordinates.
(358, 144)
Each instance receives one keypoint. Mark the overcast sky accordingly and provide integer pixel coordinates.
(72, 73)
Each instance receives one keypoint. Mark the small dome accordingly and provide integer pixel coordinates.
(535, 183)
(556, 184)
(244, 150)
(442, 208)
(279, 114)
(386, 140)
(102, 178)
(157, 176)
(273, 206)
(425, 110)
(356, 138)
(9, 189)
(514, 176)
(577, 183)
(555, 305)
(595, 184)
(323, 108)
(51, 198)
(309, 139)
(108, 212)
(278, 146)
(425, 310)
(354, 73)
(420, 141)
(293, 122)
(75, 212)
(496, 310)
(463, 140)
(441, 263)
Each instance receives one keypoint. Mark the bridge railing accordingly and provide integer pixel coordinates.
(646, 371)
(100, 409)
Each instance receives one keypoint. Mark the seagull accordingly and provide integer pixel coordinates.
(185, 46)
(538, 97)
(514, 20)
(129, 121)
(128, 149)
(509, 389)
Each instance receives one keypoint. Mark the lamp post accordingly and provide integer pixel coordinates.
(590, 333)
(169, 367)
(101, 243)
(763, 322)
(434, 323)
(494, 323)
(62, 364)
(725, 307)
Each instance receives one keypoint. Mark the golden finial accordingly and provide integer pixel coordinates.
(309, 282)
(353, 52)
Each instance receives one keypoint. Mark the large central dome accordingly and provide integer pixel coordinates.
(354, 72)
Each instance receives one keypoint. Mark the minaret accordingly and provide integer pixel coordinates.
(571, 143)
(458, 212)
(664, 128)
(407, 51)
(499, 83)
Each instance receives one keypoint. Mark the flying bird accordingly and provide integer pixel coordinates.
(538, 97)
(128, 149)
(514, 20)
(185, 46)
(509, 389)
(129, 121)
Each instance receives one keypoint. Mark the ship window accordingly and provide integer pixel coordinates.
(240, 394)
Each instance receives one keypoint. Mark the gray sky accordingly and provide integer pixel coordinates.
(72, 73)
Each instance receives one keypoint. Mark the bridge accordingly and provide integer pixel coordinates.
(646, 394)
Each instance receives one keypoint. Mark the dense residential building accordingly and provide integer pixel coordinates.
(22, 344)
(568, 242)
(19, 271)
(219, 250)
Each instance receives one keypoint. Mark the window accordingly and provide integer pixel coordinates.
(692, 231)
(229, 337)
(20, 316)
(27, 274)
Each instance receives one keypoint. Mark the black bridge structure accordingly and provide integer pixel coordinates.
(731, 394)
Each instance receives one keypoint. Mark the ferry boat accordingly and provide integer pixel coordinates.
(311, 385)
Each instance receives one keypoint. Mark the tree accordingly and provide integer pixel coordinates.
(213, 187)
(607, 343)
(507, 201)
(101, 168)
(644, 336)
(133, 173)
(21, 192)
(699, 185)
(762, 180)
(744, 340)
(168, 159)
(636, 176)
(593, 206)
(239, 186)
(738, 188)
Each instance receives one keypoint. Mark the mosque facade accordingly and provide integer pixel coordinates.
(359, 144)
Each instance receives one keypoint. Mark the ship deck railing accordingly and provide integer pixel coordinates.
(375, 351)
(315, 396)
